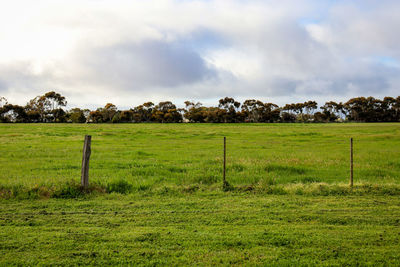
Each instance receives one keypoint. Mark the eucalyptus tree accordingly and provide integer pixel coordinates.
(231, 108)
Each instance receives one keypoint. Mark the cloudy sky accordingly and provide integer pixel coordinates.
(128, 52)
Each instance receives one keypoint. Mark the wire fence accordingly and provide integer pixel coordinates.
(274, 160)
(198, 158)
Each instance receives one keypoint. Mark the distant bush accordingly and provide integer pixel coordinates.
(48, 108)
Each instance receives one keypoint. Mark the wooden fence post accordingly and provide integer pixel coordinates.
(224, 160)
(85, 161)
(351, 162)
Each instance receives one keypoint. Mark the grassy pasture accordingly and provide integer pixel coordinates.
(291, 205)
(203, 228)
(154, 155)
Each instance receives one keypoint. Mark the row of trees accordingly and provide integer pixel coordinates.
(50, 108)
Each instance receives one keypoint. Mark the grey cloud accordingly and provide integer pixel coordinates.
(21, 81)
(344, 87)
(306, 67)
(19, 76)
(3, 86)
(272, 87)
(364, 86)
(148, 64)
(365, 27)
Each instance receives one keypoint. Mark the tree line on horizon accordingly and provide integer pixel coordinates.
(49, 108)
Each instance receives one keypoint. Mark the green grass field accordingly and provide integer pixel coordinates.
(290, 203)
(216, 228)
(185, 154)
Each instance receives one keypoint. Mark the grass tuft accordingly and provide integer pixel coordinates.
(227, 187)
(66, 190)
(119, 186)
(285, 169)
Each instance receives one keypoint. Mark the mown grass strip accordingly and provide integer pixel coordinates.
(205, 228)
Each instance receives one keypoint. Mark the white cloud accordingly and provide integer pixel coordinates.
(127, 52)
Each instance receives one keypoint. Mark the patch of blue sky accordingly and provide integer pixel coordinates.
(308, 21)
(203, 39)
(387, 61)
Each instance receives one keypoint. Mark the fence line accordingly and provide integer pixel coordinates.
(87, 152)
